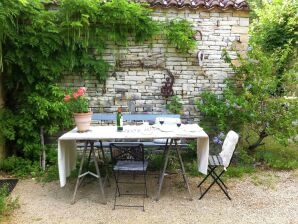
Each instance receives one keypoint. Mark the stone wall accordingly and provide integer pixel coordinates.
(141, 70)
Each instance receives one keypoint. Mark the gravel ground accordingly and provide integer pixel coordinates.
(265, 197)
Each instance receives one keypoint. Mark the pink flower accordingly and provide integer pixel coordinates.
(81, 91)
(67, 98)
(75, 95)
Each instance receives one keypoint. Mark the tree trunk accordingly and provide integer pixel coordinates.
(253, 146)
(43, 153)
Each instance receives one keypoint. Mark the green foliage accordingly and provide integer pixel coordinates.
(51, 174)
(252, 100)
(180, 34)
(239, 171)
(156, 161)
(276, 25)
(7, 204)
(278, 157)
(221, 113)
(122, 19)
(39, 46)
(175, 106)
(19, 167)
(192, 168)
(256, 98)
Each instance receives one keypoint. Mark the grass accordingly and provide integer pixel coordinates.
(7, 204)
(269, 180)
(276, 156)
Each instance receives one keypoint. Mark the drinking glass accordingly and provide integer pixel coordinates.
(161, 121)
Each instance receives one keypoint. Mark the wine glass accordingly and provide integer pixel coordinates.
(161, 121)
(178, 124)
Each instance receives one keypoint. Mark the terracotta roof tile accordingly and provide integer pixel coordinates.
(207, 4)
(194, 4)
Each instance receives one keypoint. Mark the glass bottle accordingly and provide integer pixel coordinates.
(119, 119)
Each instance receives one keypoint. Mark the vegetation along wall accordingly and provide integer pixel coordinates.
(141, 72)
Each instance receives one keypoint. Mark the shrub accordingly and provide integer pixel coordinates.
(278, 157)
(20, 167)
(7, 204)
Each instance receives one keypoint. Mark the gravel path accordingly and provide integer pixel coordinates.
(266, 197)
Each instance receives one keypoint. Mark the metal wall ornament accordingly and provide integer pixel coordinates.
(198, 36)
(167, 88)
(201, 56)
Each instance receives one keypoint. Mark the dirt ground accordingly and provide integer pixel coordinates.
(265, 197)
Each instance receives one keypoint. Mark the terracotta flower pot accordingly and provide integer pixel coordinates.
(83, 121)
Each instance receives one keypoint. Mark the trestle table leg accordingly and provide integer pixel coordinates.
(161, 177)
(182, 168)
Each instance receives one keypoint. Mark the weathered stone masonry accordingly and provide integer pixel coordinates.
(140, 70)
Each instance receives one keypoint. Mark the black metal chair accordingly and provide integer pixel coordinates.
(221, 160)
(128, 158)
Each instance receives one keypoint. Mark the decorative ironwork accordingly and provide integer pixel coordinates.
(167, 88)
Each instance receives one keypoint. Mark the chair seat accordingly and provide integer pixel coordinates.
(128, 165)
(215, 160)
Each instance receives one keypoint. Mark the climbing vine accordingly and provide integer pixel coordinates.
(180, 34)
(40, 42)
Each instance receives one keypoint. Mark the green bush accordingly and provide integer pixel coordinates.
(51, 174)
(20, 167)
(278, 157)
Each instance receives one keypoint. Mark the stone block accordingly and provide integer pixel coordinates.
(244, 14)
(244, 22)
(239, 29)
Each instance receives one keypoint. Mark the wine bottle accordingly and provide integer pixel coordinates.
(119, 120)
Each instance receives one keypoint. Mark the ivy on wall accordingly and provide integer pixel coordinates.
(39, 44)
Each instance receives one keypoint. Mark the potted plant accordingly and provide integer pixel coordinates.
(78, 104)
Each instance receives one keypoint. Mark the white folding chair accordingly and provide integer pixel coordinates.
(223, 159)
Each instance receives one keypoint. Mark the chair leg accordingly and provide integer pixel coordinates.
(216, 180)
(145, 189)
(210, 170)
(219, 184)
(220, 180)
(117, 190)
(145, 179)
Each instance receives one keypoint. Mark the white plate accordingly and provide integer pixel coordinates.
(167, 128)
(192, 128)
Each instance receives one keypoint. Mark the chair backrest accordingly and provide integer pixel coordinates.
(228, 147)
(110, 118)
(133, 152)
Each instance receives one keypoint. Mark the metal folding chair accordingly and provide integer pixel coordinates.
(128, 158)
(221, 160)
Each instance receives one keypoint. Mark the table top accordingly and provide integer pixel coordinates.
(156, 131)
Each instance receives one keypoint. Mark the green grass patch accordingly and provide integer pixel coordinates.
(7, 204)
(277, 156)
(239, 171)
(269, 180)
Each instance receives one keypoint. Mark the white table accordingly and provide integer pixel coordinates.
(67, 143)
